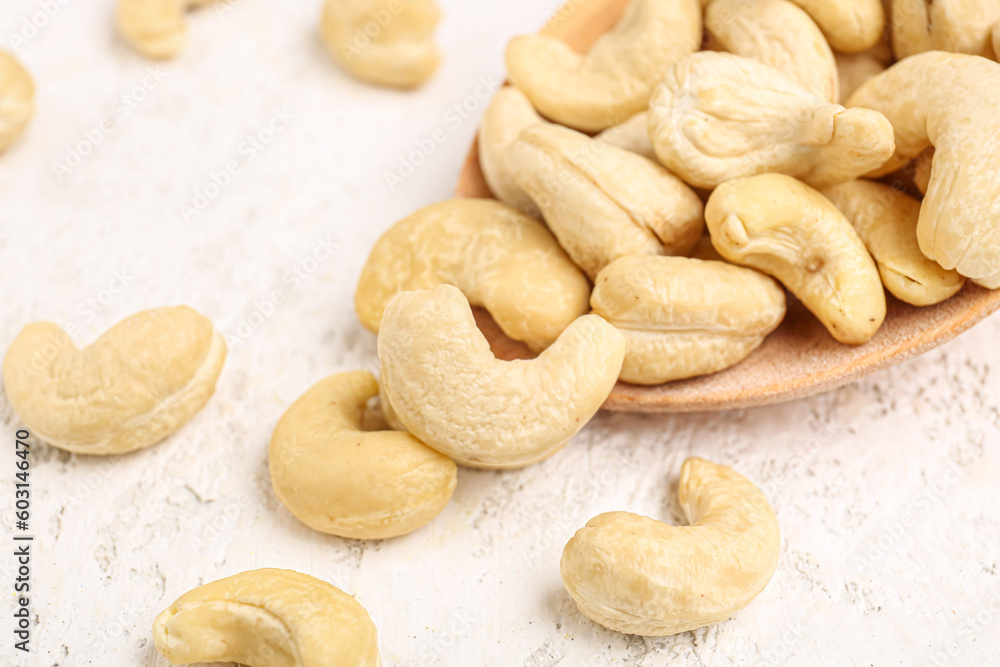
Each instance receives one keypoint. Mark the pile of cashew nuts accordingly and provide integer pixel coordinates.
(657, 196)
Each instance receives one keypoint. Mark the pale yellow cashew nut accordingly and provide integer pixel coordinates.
(386, 42)
(849, 25)
(17, 100)
(948, 101)
(156, 28)
(958, 26)
(854, 69)
(632, 135)
(719, 116)
(267, 618)
(612, 81)
(138, 383)
(339, 479)
(448, 389)
(508, 113)
(639, 576)
(507, 263)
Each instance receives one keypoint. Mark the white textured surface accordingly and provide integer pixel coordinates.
(118, 539)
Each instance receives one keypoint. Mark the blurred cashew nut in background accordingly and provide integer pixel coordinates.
(632, 135)
(17, 99)
(958, 26)
(849, 25)
(156, 28)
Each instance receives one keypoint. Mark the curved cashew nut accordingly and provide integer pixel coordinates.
(603, 202)
(612, 81)
(886, 220)
(449, 390)
(17, 99)
(501, 260)
(849, 25)
(786, 229)
(386, 42)
(267, 618)
(958, 26)
(632, 135)
(339, 479)
(777, 33)
(718, 116)
(508, 113)
(684, 317)
(948, 101)
(640, 576)
(138, 383)
(156, 28)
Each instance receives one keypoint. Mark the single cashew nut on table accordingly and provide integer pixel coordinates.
(138, 383)
(156, 28)
(949, 101)
(684, 317)
(386, 42)
(777, 225)
(603, 202)
(958, 26)
(718, 116)
(612, 81)
(448, 389)
(267, 618)
(509, 112)
(640, 576)
(849, 25)
(339, 479)
(507, 263)
(17, 99)
(632, 135)
(886, 220)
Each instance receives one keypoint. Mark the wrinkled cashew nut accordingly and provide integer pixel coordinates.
(507, 263)
(448, 389)
(886, 221)
(640, 576)
(612, 81)
(685, 317)
(948, 101)
(777, 225)
(138, 383)
(603, 202)
(386, 42)
(341, 480)
(849, 25)
(957, 26)
(267, 618)
(508, 113)
(156, 28)
(718, 116)
(17, 99)
(632, 135)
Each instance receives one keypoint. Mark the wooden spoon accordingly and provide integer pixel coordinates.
(800, 358)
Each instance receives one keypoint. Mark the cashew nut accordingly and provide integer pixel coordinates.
(267, 618)
(17, 99)
(448, 389)
(958, 26)
(508, 113)
(777, 33)
(501, 260)
(602, 201)
(718, 116)
(849, 25)
(138, 383)
(948, 101)
(339, 479)
(632, 135)
(996, 41)
(886, 220)
(684, 317)
(612, 81)
(386, 42)
(854, 69)
(640, 576)
(784, 228)
(156, 28)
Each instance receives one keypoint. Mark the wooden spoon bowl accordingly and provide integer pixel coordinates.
(800, 358)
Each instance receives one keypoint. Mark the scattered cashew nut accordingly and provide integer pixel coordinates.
(849, 25)
(267, 618)
(784, 228)
(639, 576)
(718, 116)
(386, 42)
(508, 113)
(156, 28)
(603, 202)
(448, 389)
(17, 99)
(684, 317)
(138, 383)
(632, 135)
(958, 26)
(501, 260)
(612, 81)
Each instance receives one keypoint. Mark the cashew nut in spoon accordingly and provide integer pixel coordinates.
(639, 576)
(17, 99)
(719, 116)
(156, 28)
(509, 112)
(386, 42)
(849, 25)
(948, 101)
(339, 479)
(957, 26)
(267, 618)
(612, 81)
(447, 388)
(138, 383)
(500, 259)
